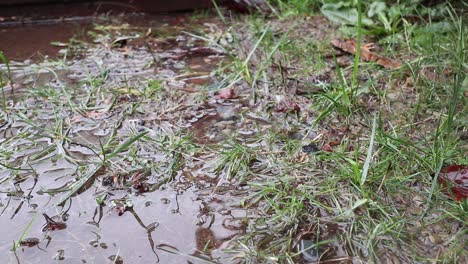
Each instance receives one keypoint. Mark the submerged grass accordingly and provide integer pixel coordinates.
(351, 177)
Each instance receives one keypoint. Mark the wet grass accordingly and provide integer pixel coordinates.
(350, 178)
(378, 183)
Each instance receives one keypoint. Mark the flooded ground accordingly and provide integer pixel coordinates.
(159, 200)
(43, 36)
(183, 138)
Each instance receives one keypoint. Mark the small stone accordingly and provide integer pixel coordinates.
(310, 148)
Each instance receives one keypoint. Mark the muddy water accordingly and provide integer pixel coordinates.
(35, 40)
(153, 205)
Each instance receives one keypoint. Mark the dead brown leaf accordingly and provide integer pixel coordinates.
(97, 115)
(327, 148)
(286, 105)
(350, 46)
(227, 93)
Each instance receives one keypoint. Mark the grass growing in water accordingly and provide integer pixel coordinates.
(348, 177)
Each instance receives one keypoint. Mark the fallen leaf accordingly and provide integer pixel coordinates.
(52, 225)
(227, 93)
(454, 181)
(206, 51)
(350, 46)
(327, 148)
(285, 105)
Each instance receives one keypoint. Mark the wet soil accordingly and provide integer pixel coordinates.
(170, 215)
(128, 143)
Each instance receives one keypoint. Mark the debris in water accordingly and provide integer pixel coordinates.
(52, 225)
(116, 259)
(59, 255)
(29, 242)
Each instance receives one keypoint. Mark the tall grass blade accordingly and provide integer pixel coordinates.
(357, 57)
(25, 232)
(125, 145)
(80, 183)
(218, 11)
(4, 59)
(8, 75)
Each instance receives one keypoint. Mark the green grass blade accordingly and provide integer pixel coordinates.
(4, 59)
(370, 150)
(125, 145)
(25, 232)
(8, 75)
(79, 184)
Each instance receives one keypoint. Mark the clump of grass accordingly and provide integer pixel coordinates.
(379, 184)
(234, 161)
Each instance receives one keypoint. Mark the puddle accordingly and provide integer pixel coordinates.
(95, 233)
(170, 214)
(36, 40)
(68, 141)
(182, 219)
(224, 120)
